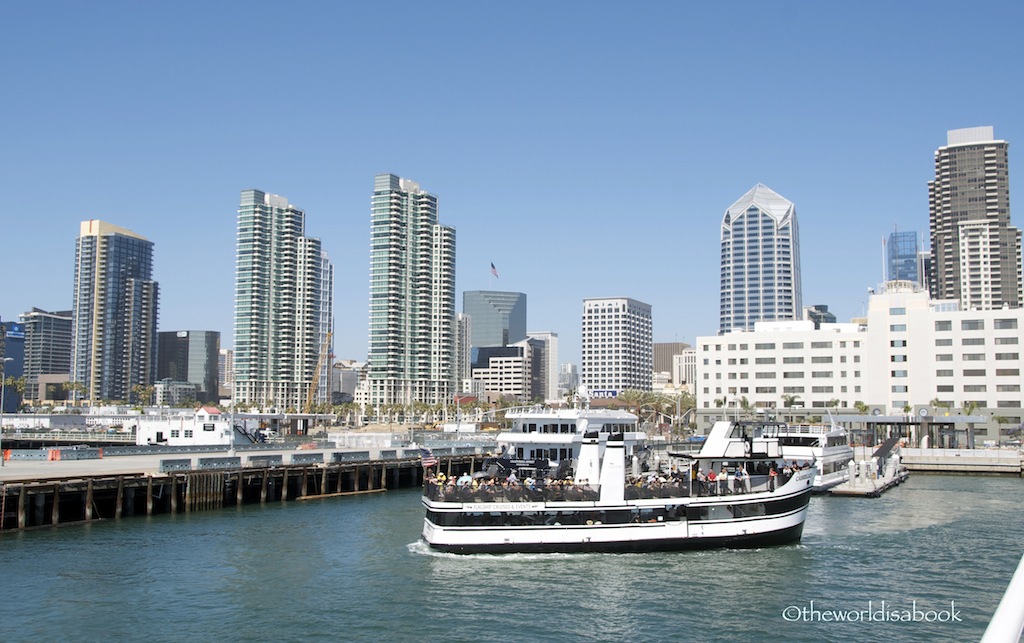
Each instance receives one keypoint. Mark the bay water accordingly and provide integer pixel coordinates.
(929, 560)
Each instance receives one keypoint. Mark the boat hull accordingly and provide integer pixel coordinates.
(782, 528)
(786, 536)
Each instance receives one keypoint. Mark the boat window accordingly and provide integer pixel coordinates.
(748, 510)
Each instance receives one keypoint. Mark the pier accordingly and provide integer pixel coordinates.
(53, 487)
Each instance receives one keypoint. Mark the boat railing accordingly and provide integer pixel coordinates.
(641, 488)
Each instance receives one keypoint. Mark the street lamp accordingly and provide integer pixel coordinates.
(3, 391)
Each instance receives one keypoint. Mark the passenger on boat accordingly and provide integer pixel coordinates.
(741, 481)
(723, 481)
(772, 478)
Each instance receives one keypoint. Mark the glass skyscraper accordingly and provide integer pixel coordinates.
(412, 296)
(191, 356)
(47, 347)
(499, 318)
(760, 261)
(283, 306)
(114, 313)
(901, 257)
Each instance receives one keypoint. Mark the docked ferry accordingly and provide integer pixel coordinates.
(578, 479)
(825, 448)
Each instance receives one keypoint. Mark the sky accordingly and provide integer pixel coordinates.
(586, 149)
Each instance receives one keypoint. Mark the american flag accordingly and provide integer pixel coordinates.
(428, 458)
(494, 271)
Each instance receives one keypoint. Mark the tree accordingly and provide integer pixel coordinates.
(789, 401)
(861, 407)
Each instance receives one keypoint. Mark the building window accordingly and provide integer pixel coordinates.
(1006, 372)
(944, 357)
(792, 345)
(973, 341)
(974, 372)
(898, 328)
(944, 388)
(898, 343)
(821, 344)
(899, 373)
(764, 360)
(974, 388)
(1007, 388)
(764, 347)
(821, 374)
(973, 357)
(1005, 324)
(1008, 404)
(897, 358)
(1003, 341)
(899, 388)
(1005, 356)
(821, 359)
(897, 311)
(972, 324)
(792, 360)
(944, 325)
(792, 375)
(944, 372)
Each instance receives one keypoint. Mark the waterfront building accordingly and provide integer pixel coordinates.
(819, 314)
(616, 346)
(664, 354)
(168, 392)
(47, 348)
(568, 379)
(910, 351)
(975, 252)
(760, 261)
(684, 367)
(903, 258)
(226, 372)
(283, 310)
(190, 356)
(113, 313)
(463, 348)
(510, 372)
(548, 366)
(412, 297)
(12, 362)
(499, 318)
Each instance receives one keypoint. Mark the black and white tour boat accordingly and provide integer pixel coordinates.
(579, 480)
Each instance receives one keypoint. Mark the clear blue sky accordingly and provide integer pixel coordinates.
(587, 149)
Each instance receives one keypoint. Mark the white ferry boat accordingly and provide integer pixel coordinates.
(576, 480)
(826, 448)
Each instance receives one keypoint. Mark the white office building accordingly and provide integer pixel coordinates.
(911, 352)
(617, 346)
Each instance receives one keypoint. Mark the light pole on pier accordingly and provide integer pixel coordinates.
(3, 392)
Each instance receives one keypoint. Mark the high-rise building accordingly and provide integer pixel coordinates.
(499, 318)
(975, 252)
(12, 361)
(283, 306)
(664, 354)
(190, 356)
(617, 346)
(902, 257)
(114, 313)
(412, 297)
(47, 347)
(226, 372)
(463, 348)
(548, 367)
(760, 261)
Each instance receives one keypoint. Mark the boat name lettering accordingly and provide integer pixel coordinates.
(504, 506)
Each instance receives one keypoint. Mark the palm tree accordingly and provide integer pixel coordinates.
(789, 401)
(746, 406)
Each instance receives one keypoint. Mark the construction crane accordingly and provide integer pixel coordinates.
(324, 349)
